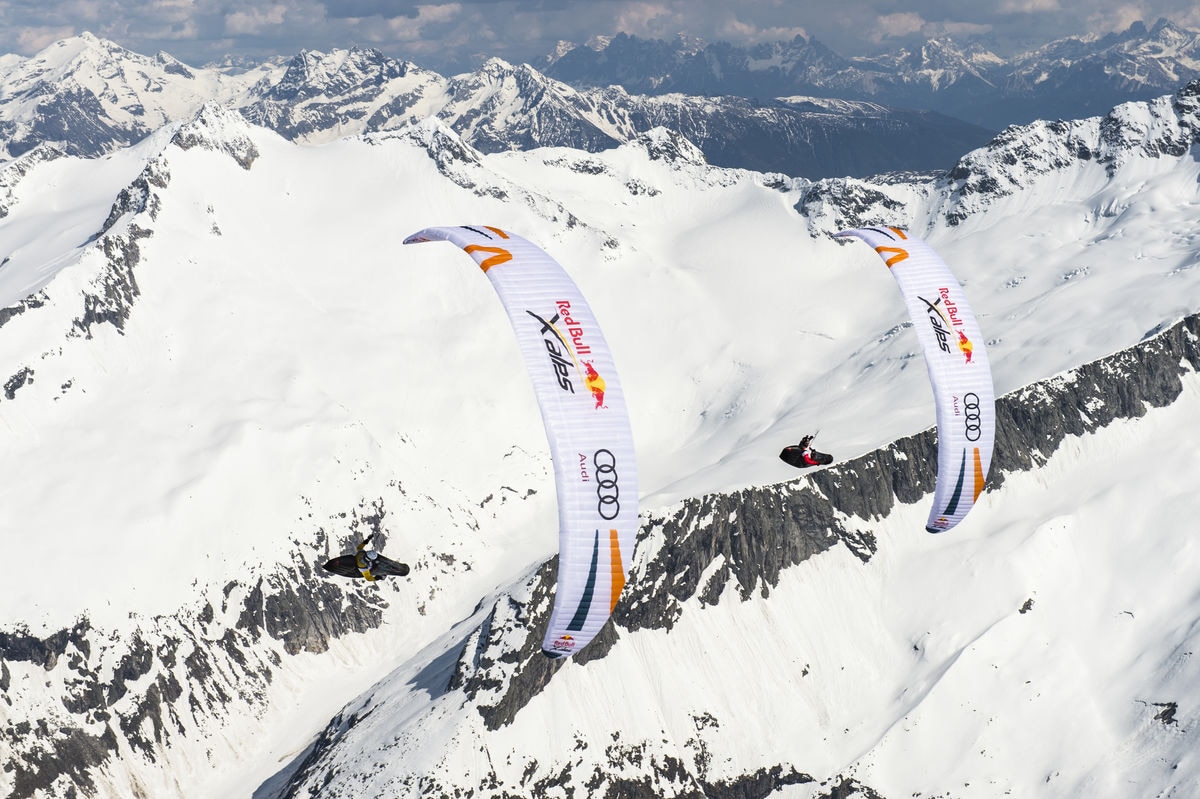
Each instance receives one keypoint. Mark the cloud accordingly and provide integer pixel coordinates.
(255, 20)
(1027, 6)
(897, 25)
(441, 18)
(32, 40)
(359, 9)
(962, 30)
(1116, 19)
(736, 28)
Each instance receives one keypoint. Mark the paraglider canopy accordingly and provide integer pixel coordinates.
(587, 425)
(957, 362)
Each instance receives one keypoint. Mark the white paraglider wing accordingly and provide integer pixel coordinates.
(586, 421)
(958, 368)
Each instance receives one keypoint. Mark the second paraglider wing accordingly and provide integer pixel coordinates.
(957, 362)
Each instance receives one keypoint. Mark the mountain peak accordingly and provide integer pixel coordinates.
(216, 127)
(312, 73)
(663, 144)
(444, 146)
(172, 65)
(497, 67)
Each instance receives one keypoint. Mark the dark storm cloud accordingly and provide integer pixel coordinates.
(450, 36)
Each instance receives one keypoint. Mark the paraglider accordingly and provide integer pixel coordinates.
(803, 455)
(366, 564)
(587, 426)
(957, 362)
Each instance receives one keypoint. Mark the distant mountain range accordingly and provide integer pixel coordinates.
(86, 96)
(795, 108)
(1066, 79)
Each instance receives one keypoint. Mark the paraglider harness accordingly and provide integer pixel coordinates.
(365, 559)
(368, 565)
(803, 455)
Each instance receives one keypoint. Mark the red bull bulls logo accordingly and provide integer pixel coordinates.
(594, 382)
(965, 346)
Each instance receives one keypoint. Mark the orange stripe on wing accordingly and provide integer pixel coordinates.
(497, 231)
(979, 476)
(900, 255)
(898, 232)
(618, 572)
(500, 256)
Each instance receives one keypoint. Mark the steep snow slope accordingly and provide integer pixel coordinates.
(1047, 651)
(232, 371)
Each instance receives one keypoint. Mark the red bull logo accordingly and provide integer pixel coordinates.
(564, 643)
(965, 346)
(594, 382)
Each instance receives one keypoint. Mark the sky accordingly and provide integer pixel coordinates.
(457, 36)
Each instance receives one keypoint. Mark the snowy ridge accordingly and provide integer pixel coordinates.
(1166, 127)
(15, 170)
(323, 96)
(1015, 163)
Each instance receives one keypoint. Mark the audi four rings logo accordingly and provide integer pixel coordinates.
(607, 489)
(971, 408)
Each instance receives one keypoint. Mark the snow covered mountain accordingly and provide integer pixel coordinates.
(1073, 77)
(221, 369)
(88, 96)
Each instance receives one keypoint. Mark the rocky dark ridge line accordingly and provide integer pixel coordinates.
(74, 120)
(113, 292)
(758, 532)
